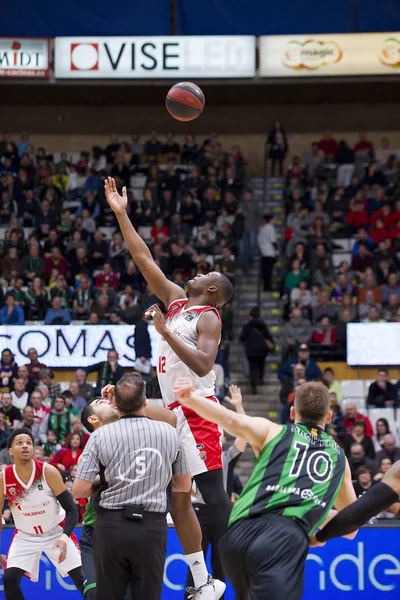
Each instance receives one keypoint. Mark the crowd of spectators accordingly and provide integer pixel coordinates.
(340, 193)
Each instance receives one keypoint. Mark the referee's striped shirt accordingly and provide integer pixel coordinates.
(137, 458)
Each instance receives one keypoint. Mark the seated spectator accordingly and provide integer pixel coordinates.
(40, 410)
(384, 466)
(336, 427)
(389, 449)
(332, 384)
(381, 392)
(72, 410)
(285, 416)
(11, 266)
(37, 300)
(358, 459)
(363, 481)
(12, 413)
(68, 456)
(324, 333)
(11, 314)
(293, 277)
(51, 447)
(56, 261)
(312, 370)
(77, 401)
(34, 366)
(102, 308)
(19, 396)
(344, 288)
(391, 311)
(363, 149)
(98, 249)
(33, 264)
(8, 370)
(227, 263)
(62, 290)
(374, 315)
(108, 372)
(382, 429)
(85, 389)
(351, 416)
(392, 288)
(57, 315)
(324, 308)
(357, 436)
(83, 299)
(362, 261)
(107, 275)
(77, 428)
(357, 216)
(297, 330)
(59, 420)
(117, 252)
(301, 297)
(29, 421)
(5, 430)
(370, 284)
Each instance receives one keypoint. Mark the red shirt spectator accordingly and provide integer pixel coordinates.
(107, 275)
(363, 144)
(56, 261)
(357, 216)
(68, 456)
(351, 415)
(39, 410)
(328, 145)
(380, 232)
(159, 227)
(385, 214)
(324, 333)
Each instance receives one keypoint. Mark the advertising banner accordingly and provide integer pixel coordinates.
(24, 58)
(330, 55)
(155, 57)
(73, 346)
(373, 344)
(367, 568)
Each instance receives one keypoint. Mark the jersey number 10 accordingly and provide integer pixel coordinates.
(161, 364)
(318, 464)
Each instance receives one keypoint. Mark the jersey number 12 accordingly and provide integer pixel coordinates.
(161, 364)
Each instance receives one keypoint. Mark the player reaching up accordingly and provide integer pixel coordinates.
(300, 472)
(44, 514)
(190, 336)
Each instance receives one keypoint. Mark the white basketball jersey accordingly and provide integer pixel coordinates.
(183, 323)
(34, 507)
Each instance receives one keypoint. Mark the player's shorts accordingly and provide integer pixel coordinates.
(264, 557)
(25, 552)
(201, 439)
(86, 544)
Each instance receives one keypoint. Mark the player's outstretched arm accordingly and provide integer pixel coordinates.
(56, 484)
(237, 401)
(164, 289)
(256, 430)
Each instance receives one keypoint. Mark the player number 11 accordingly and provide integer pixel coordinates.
(161, 364)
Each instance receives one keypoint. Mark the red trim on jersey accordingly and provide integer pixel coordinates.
(207, 436)
(174, 308)
(15, 491)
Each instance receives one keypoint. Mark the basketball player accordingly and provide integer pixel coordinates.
(300, 473)
(44, 514)
(190, 336)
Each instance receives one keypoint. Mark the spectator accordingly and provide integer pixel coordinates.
(56, 261)
(381, 392)
(32, 264)
(363, 481)
(324, 308)
(5, 431)
(301, 296)
(297, 330)
(293, 277)
(85, 389)
(51, 447)
(258, 342)
(83, 299)
(53, 388)
(58, 420)
(11, 314)
(34, 366)
(328, 145)
(267, 243)
(13, 415)
(19, 396)
(382, 429)
(77, 428)
(357, 436)
(384, 466)
(277, 148)
(62, 290)
(28, 421)
(358, 459)
(389, 449)
(351, 416)
(36, 297)
(392, 288)
(72, 410)
(57, 315)
(362, 261)
(341, 328)
(108, 372)
(312, 370)
(40, 410)
(107, 275)
(77, 399)
(68, 456)
(324, 333)
(8, 370)
(332, 384)
(336, 427)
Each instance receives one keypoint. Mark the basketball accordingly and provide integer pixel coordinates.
(185, 101)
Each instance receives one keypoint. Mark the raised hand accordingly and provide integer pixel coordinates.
(117, 203)
(236, 396)
(158, 318)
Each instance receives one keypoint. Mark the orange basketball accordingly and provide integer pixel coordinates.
(185, 101)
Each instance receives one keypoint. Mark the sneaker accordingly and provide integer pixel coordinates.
(212, 590)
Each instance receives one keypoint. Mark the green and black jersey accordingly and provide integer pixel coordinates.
(297, 475)
(89, 518)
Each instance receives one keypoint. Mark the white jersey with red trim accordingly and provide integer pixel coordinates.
(183, 323)
(34, 507)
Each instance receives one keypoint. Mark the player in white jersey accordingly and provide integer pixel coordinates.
(190, 334)
(44, 514)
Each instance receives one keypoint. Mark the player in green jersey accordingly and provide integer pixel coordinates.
(300, 473)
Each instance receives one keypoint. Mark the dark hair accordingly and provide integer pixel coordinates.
(71, 435)
(130, 393)
(362, 471)
(21, 431)
(255, 312)
(268, 218)
(88, 412)
(225, 290)
(329, 370)
(381, 369)
(312, 402)
(360, 423)
(53, 431)
(386, 424)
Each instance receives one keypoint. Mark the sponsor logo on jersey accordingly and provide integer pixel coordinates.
(202, 453)
(314, 432)
(12, 491)
(189, 317)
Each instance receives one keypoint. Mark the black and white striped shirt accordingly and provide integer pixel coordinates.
(137, 458)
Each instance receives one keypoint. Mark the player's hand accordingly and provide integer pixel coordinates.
(182, 389)
(235, 396)
(158, 318)
(314, 543)
(108, 391)
(63, 550)
(117, 203)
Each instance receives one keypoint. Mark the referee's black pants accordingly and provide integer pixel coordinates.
(264, 557)
(128, 551)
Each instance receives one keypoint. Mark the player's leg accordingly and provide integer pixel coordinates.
(71, 566)
(211, 486)
(205, 521)
(11, 582)
(77, 577)
(89, 573)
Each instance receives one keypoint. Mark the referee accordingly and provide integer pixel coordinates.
(136, 458)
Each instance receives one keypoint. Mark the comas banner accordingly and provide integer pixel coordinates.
(330, 55)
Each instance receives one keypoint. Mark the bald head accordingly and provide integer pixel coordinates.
(130, 394)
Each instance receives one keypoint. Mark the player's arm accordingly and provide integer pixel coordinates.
(88, 469)
(56, 484)
(255, 430)
(164, 289)
(237, 401)
(201, 359)
(159, 413)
